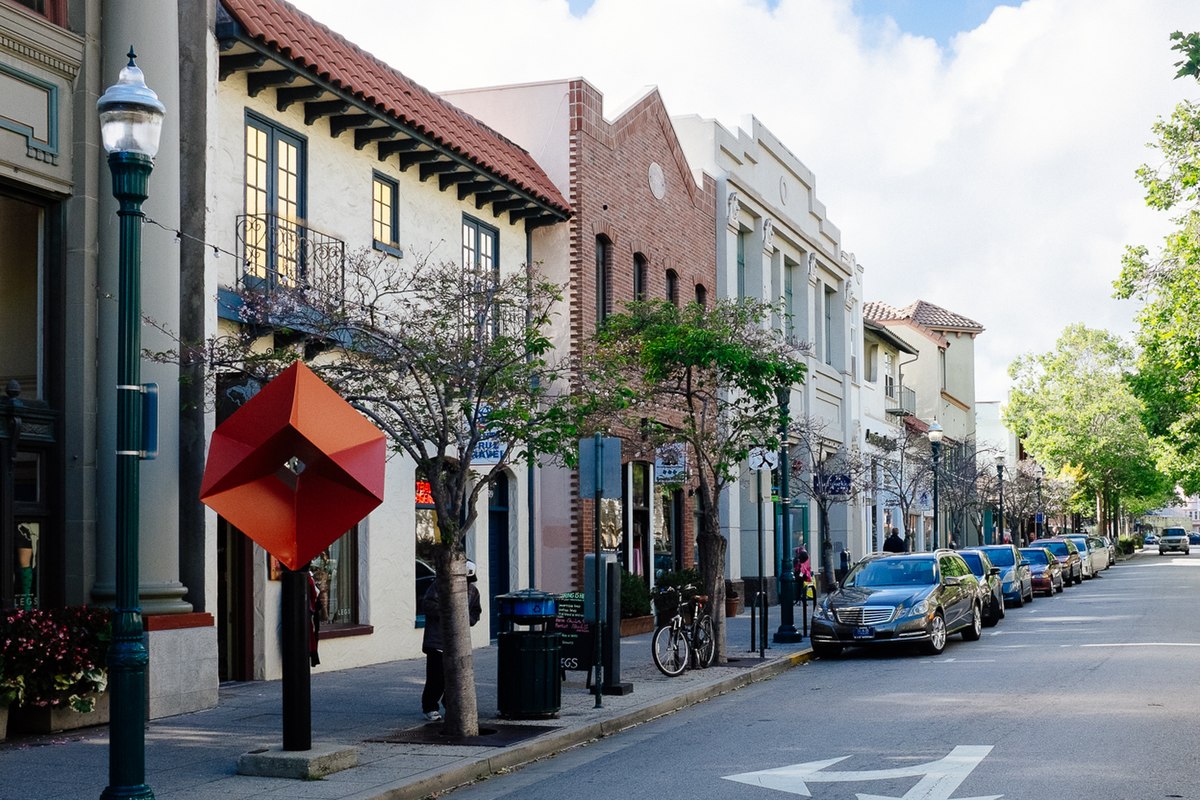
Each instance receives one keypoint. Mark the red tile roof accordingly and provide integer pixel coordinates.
(922, 313)
(299, 38)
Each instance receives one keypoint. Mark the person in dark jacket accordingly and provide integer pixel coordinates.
(431, 643)
(893, 543)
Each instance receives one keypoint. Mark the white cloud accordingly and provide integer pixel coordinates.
(994, 177)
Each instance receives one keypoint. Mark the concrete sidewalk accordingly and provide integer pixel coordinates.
(375, 710)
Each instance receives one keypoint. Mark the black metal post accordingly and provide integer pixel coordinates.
(787, 632)
(599, 493)
(127, 656)
(1000, 527)
(297, 681)
(762, 568)
(1038, 526)
(937, 449)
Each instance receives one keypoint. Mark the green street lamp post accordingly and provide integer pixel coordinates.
(1000, 478)
(935, 444)
(787, 633)
(1040, 516)
(130, 123)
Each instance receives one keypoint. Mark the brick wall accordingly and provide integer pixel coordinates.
(611, 194)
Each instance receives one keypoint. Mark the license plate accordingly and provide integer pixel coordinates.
(863, 632)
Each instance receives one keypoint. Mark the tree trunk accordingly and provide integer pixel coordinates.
(462, 708)
(712, 546)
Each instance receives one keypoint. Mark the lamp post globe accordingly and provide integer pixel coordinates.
(935, 444)
(131, 118)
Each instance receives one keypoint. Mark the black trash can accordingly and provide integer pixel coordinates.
(528, 673)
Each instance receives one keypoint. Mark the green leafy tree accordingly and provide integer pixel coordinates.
(1168, 284)
(1074, 406)
(443, 358)
(704, 377)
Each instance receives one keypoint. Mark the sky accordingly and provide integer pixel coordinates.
(975, 154)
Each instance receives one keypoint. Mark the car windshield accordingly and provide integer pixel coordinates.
(1002, 556)
(1034, 556)
(1174, 532)
(892, 572)
(1080, 542)
(1058, 548)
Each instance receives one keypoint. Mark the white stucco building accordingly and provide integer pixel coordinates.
(776, 243)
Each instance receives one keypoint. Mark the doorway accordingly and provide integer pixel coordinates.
(498, 544)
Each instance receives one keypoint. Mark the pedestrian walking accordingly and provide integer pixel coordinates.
(893, 543)
(432, 644)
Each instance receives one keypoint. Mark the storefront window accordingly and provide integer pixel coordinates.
(335, 573)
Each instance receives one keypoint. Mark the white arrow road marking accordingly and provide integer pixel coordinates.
(938, 781)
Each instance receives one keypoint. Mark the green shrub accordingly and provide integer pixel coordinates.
(635, 596)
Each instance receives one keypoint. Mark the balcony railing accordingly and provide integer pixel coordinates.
(903, 404)
(277, 253)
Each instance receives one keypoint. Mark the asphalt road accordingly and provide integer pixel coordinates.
(1088, 694)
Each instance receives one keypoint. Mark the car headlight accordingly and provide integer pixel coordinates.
(822, 612)
(919, 609)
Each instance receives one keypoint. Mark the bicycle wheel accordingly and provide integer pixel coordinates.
(670, 650)
(704, 645)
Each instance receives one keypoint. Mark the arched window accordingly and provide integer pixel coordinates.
(672, 287)
(701, 296)
(639, 276)
(603, 279)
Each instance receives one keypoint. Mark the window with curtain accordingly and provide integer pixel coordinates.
(274, 201)
(384, 215)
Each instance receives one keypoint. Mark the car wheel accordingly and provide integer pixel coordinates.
(1061, 584)
(825, 650)
(1000, 607)
(972, 632)
(1020, 601)
(937, 635)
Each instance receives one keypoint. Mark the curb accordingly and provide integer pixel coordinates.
(555, 742)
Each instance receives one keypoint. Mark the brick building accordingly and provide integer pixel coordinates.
(644, 227)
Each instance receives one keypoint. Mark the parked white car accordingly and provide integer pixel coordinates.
(1094, 559)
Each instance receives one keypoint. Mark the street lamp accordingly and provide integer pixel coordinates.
(787, 632)
(1040, 516)
(935, 444)
(130, 123)
(1000, 477)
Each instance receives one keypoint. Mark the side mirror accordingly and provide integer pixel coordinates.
(952, 580)
(993, 571)
(1024, 563)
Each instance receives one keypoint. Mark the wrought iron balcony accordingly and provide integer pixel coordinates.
(281, 254)
(903, 403)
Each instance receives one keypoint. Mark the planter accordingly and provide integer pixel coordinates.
(3, 722)
(34, 719)
(733, 606)
(632, 626)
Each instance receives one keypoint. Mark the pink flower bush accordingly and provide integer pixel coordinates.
(55, 656)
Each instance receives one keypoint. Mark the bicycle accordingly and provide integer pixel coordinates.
(687, 637)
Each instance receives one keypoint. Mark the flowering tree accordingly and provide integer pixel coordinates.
(827, 472)
(443, 358)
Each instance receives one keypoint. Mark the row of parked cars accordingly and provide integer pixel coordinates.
(924, 598)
